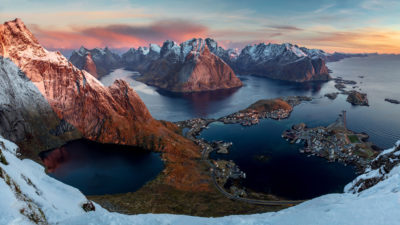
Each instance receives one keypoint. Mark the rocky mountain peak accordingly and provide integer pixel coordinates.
(114, 114)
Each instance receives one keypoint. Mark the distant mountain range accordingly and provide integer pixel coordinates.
(202, 65)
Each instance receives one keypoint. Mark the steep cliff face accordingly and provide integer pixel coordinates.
(25, 115)
(229, 55)
(283, 62)
(190, 67)
(90, 66)
(141, 58)
(98, 62)
(108, 115)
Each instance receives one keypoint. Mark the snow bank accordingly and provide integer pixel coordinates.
(62, 204)
(25, 183)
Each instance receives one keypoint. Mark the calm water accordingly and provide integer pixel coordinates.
(381, 79)
(100, 169)
(97, 169)
(285, 172)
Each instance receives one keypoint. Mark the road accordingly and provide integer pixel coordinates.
(247, 200)
(205, 157)
(254, 201)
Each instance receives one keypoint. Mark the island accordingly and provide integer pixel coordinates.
(354, 97)
(332, 96)
(357, 98)
(393, 101)
(278, 108)
(334, 142)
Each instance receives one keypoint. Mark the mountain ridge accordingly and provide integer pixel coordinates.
(114, 114)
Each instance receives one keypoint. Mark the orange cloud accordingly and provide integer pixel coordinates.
(119, 35)
(363, 40)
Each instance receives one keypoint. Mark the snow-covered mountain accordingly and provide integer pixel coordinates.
(283, 62)
(277, 61)
(29, 196)
(140, 59)
(97, 61)
(189, 67)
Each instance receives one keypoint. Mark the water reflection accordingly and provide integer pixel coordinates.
(96, 168)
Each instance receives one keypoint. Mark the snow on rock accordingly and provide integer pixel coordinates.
(189, 67)
(30, 196)
(98, 62)
(24, 112)
(281, 61)
(380, 169)
(62, 204)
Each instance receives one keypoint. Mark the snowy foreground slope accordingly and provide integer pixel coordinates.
(29, 196)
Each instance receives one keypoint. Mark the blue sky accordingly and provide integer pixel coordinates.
(341, 25)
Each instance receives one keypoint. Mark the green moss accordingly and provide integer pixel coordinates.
(353, 139)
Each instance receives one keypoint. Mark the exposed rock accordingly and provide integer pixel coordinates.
(190, 67)
(228, 55)
(332, 96)
(98, 62)
(340, 80)
(394, 101)
(141, 58)
(25, 115)
(377, 171)
(357, 98)
(90, 66)
(340, 86)
(114, 114)
(283, 62)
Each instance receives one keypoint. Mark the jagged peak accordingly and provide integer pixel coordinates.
(155, 48)
(17, 32)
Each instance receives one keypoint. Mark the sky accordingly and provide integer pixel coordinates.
(352, 26)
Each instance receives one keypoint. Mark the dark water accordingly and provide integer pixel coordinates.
(285, 172)
(97, 169)
(381, 80)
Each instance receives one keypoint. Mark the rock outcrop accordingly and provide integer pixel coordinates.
(357, 98)
(190, 67)
(378, 170)
(25, 115)
(112, 114)
(98, 62)
(281, 61)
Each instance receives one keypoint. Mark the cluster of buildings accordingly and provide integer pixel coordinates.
(227, 171)
(334, 142)
(252, 117)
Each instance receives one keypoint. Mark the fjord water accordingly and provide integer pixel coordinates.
(381, 77)
(283, 171)
(103, 169)
(97, 169)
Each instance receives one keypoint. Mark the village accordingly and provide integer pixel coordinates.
(277, 109)
(334, 142)
(252, 117)
(227, 172)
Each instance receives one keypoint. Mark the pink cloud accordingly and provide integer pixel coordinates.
(118, 35)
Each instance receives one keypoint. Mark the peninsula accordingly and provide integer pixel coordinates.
(334, 142)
